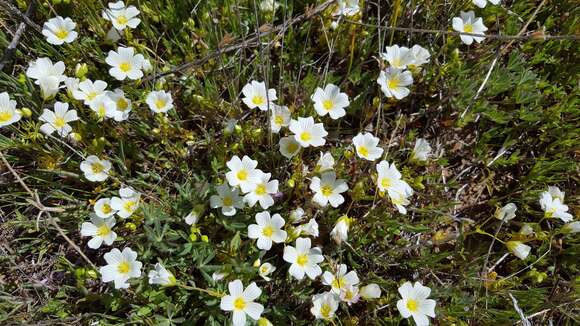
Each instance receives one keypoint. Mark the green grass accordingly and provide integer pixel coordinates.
(529, 108)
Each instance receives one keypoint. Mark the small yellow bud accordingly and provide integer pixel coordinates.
(193, 237)
(131, 226)
(26, 112)
(204, 238)
(75, 136)
(257, 263)
(81, 70)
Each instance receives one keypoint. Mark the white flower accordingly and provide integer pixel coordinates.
(414, 303)
(341, 279)
(59, 30)
(556, 193)
(554, 208)
(324, 305)
(389, 180)
(47, 75)
(328, 189)
(95, 169)
(161, 276)
(88, 91)
(146, 65)
(262, 192)
(340, 231)
(349, 294)
(393, 82)
(419, 55)
(573, 227)
(58, 119)
(289, 147)
(257, 97)
(113, 35)
(103, 208)
(269, 5)
(192, 217)
(325, 162)
(371, 291)
(125, 63)
(506, 213)
(121, 266)
(398, 57)
(266, 269)
(366, 146)
(243, 173)
(127, 203)
(303, 259)
(297, 215)
(310, 228)
(122, 104)
(218, 276)
(103, 106)
(280, 117)
(421, 151)
(267, 230)
(121, 16)
(241, 302)
(467, 23)
(483, 3)
(330, 100)
(526, 230)
(347, 8)
(71, 84)
(101, 231)
(160, 101)
(519, 249)
(307, 133)
(228, 199)
(8, 112)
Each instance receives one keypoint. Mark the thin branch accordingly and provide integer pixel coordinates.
(11, 49)
(16, 12)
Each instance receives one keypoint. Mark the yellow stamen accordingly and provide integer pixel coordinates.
(159, 104)
(123, 267)
(91, 95)
(122, 104)
(97, 167)
(328, 105)
(393, 83)
(258, 100)
(59, 122)
(267, 231)
(279, 120)
(305, 136)
(338, 282)
(325, 310)
(363, 151)
(326, 190)
(129, 205)
(107, 209)
(292, 147)
(122, 20)
(302, 260)
(386, 182)
(260, 189)
(412, 305)
(125, 66)
(239, 303)
(468, 28)
(242, 175)
(5, 116)
(61, 33)
(103, 230)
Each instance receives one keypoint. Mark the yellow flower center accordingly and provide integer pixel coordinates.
(325, 310)
(292, 147)
(264, 269)
(397, 62)
(122, 20)
(125, 66)
(102, 110)
(363, 151)
(59, 122)
(159, 104)
(239, 303)
(279, 120)
(468, 28)
(97, 167)
(258, 100)
(398, 200)
(326, 190)
(386, 182)
(122, 104)
(5, 116)
(327, 104)
(123, 267)
(338, 282)
(393, 83)
(242, 175)
(267, 231)
(106, 209)
(260, 189)
(61, 33)
(348, 295)
(103, 230)
(302, 260)
(305, 136)
(129, 205)
(91, 95)
(412, 305)
(227, 201)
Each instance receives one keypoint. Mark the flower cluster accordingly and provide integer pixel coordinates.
(394, 80)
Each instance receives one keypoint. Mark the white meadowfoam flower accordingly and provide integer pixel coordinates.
(267, 230)
(103, 208)
(257, 97)
(160, 275)
(218, 276)
(243, 173)
(159, 101)
(103, 106)
(241, 302)
(371, 291)
(59, 30)
(95, 169)
(127, 203)
(262, 192)
(123, 105)
(421, 151)
(88, 91)
(146, 65)
(324, 306)
(71, 84)
(519, 249)
(398, 57)
(483, 3)
(303, 259)
(192, 218)
(58, 119)
(556, 193)
(507, 212)
(419, 55)
(125, 63)
(113, 35)
(341, 279)
(269, 5)
(467, 23)
(366, 146)
(228, 199)
(289, 147)
(297, 215)
(554, 208)
(309, 229)
(47, 75)
(414, 303)
(121, 16)
(266, 269)
(307, 133)
(393, 82)
(121, 266)
(330, 100)
(280, 117)
(8, 112)
(325, 162)
(101, 231)
(340, 231)
(328, 189)
(571, 228)
(349, 294)
(389, 180)
(347, 8)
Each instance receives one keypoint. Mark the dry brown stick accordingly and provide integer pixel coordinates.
(11, 49)
(16, 12)
(46, 210)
